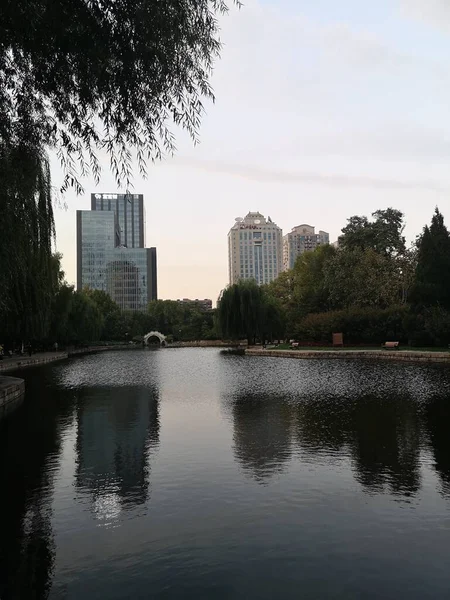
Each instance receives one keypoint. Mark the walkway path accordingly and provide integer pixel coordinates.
(18, 362)
(401, 355)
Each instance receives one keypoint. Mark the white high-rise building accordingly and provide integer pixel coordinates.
(255, 249)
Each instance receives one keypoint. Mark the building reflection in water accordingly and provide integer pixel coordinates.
(118, 429)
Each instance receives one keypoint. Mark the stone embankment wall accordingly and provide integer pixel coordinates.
(41, 358)
(205, 344)
(399, 355)
(29, 361)
(12, 391)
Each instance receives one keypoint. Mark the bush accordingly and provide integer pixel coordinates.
(428, 327)
(359, 325)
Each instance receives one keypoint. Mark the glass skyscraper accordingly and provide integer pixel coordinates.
(130, 212)
(110, 250)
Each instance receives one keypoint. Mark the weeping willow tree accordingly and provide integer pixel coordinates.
(109, 76)
(79, 78)
(245, 310)
(28, 270)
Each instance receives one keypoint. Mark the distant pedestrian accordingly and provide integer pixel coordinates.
(30, 349)
(55, 346)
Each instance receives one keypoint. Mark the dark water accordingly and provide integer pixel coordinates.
(188, 474)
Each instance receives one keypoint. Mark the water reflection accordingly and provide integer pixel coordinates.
(386, 435)
(304, 466)
(378, 427)
(30, 445)
(437, 418)
(262, 435)
(118, 429)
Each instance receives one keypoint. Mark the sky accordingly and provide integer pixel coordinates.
(323, 110)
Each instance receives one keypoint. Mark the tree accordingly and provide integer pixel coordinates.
(28, 273)
(245, 310)
(311, 293)
(85, 320)
(87, 76)
(113, 327)
(388, 232)
(363, 278)
(357, 234)
(432, 281)
(384, 234)
(61, 309)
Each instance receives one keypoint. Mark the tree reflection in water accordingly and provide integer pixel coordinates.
(27, 560)
(262, 434)
(381, 434)
(437, 418)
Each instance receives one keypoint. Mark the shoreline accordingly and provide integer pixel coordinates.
(12, 392)
(12, 389)
(399, 355)
(206, 344)
(42, 358)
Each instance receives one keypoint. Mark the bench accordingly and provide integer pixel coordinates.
(390, 345)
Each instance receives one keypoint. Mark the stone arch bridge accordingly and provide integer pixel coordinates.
(155, 334)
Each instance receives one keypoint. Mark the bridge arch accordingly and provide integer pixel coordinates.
(156, 334)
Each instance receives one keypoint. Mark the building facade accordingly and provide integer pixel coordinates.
(302, 238)
(255, 247)
(204, 305)
(130, 212)
(104, 262)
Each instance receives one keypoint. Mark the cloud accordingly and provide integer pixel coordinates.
(436, 12)
(395, 142)
(263, 174)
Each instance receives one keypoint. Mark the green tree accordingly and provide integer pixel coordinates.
(432, 280)
(28, 273)
(181, 321)
(61, 309)
(113, 327)
(85, 320)
(384, 234)
(363, 278)
(105, 75)
(311, 293)
(246, 310)
(274, 318)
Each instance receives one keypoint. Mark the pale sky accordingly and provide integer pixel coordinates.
(323, 110)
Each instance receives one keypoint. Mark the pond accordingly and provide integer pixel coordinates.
(184, 473)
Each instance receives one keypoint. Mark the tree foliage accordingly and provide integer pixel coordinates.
(246, 310)
(432, 278)
(87, 75)
(372, 286)
(181, 321)
(29, 274)
(384, 234)
(363, 278)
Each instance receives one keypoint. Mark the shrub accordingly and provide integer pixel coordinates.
(359, 325)
(428, 327)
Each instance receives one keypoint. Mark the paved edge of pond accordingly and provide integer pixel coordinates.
(400, 355)
(20, 362)
(12, 390)
(11, 364)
